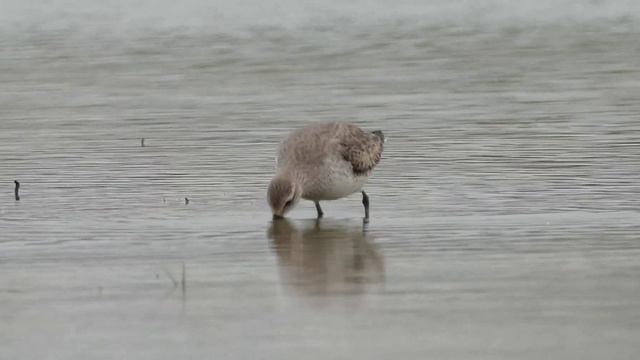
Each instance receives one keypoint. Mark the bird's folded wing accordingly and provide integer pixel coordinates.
(363, 150)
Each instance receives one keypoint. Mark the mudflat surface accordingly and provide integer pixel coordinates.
(504, 211)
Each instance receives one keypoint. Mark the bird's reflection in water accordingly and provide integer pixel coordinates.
(324, 257)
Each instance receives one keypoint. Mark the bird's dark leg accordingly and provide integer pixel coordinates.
(365, 202)
(318, 209)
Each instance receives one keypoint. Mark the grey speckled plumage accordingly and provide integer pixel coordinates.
(324, 161)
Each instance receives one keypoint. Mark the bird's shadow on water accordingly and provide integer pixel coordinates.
(326, 257)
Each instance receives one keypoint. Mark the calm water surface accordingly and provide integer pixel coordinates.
(504, 212)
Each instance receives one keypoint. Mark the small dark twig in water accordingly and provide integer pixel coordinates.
(186, 201)
(16, 190)
(142, 142)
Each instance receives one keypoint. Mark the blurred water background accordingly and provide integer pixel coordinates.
(504, 212)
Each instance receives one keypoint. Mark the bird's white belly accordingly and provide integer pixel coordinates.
(336, 186)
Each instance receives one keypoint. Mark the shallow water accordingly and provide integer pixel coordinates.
(504, 212)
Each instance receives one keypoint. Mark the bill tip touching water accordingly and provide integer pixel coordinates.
(323, 161)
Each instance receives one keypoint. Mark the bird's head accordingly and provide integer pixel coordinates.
(284, 193)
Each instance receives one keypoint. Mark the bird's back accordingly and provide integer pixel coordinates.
(309, 146)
